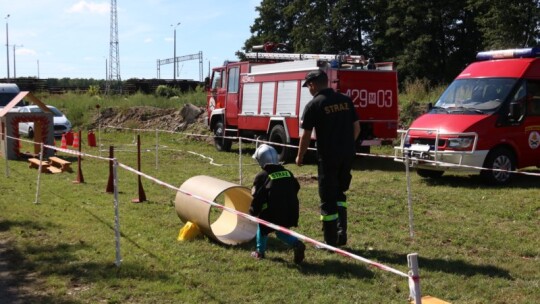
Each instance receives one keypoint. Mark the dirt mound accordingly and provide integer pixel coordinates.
(189, 118)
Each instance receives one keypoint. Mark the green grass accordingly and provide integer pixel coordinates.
(476, 244)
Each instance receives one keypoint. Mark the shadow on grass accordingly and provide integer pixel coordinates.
(26, 225)
(335, 264)
(457, 267)
(18, 284)
(381, 163)
(519, 181)
(63, 260)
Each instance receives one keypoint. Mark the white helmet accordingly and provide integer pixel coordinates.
(265, 155)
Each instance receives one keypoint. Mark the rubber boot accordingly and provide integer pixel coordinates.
(299, 252)
(342, 226)
(330, 232)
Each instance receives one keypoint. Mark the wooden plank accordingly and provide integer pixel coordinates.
(64, 164)
(58, 160)
(34, 163)
(54, 170)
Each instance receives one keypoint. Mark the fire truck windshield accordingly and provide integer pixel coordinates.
(475, 95)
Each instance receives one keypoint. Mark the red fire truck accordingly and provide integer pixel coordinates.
(263, 98)
(486, 121)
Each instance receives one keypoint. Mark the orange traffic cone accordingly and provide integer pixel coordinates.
(75, 140)
(63, 143)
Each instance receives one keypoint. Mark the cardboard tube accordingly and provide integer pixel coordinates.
(227, 228)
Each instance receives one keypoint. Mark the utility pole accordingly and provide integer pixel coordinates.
(7, 46)
(174, 57)
(14, 62)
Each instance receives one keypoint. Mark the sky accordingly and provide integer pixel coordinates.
(71, 38)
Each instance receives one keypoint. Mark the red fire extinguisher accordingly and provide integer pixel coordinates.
(69, 138)
(91, 138)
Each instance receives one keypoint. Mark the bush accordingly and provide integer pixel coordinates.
(93, 90)
(166, 91)
(414, 101)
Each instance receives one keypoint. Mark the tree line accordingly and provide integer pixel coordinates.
(431, 40)
(99, 86)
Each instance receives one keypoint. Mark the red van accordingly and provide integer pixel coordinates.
(487, 121)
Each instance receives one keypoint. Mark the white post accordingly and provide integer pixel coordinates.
(157, 149)
(99, 138)
(118, 261)
(39, 173)
(409, 200)
(414, 278)
(240, 158)
(6, 141)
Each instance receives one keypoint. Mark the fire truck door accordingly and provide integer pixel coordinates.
(218, 92)
(233, 93)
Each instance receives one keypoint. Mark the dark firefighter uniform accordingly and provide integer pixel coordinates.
(275, 197)
(332, 115)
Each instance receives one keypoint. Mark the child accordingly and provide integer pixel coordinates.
(275, 200)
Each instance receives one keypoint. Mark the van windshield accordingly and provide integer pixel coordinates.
(55, 111)
(5, 98)
(475, 95)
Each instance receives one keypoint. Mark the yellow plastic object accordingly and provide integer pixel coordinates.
(432, 300)
(189, 232)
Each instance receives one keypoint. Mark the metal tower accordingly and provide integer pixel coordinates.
(114, 82)
(198, 56)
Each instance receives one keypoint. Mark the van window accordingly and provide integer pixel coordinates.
(533, 98)
(5, 98)
(8, 91)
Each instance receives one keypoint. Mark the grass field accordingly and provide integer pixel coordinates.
(476, 244)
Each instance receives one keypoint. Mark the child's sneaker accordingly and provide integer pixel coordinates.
(257, 255)
(299, 250)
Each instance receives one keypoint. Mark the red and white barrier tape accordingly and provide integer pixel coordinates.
(273, 226)
(358, 154)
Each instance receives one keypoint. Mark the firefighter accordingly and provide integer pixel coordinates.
(275, 199)
(337, 126)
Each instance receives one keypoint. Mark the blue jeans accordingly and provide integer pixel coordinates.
(262, 239)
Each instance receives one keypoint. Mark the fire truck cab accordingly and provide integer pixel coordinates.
(263, 98)
(487, 121)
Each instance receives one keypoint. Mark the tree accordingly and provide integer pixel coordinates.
(506, 26)
(430, 39)
(318, 26)
(274, 23)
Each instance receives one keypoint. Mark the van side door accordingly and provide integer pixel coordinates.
(531, 125)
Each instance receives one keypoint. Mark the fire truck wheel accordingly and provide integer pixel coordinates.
(499, 158)
(221, 143)
(278, 136)
(426, 173)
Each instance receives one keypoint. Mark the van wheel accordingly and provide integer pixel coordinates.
(426, 173)
(500, 158)
(278, 136)
(220, 142)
